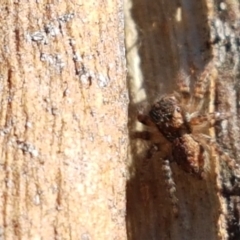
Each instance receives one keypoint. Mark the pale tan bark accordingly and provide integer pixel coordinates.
(63, 120)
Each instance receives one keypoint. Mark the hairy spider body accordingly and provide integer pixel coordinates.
(172, 117)
(174, 123)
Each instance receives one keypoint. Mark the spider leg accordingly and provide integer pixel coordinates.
(146, 120)
(168, 177)
(183, 83)
(145, 135)
(223, 155)
(171, 186)
(153, 136)
(203, 81)
(211, 118)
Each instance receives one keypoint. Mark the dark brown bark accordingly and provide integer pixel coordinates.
(163, 38)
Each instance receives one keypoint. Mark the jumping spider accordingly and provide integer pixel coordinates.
(180, 119)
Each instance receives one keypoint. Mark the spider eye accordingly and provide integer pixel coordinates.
(178, 109)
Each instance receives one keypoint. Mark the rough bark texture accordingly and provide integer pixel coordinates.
(162, 38)
(63, 120)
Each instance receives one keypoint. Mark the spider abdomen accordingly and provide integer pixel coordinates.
(189, 154)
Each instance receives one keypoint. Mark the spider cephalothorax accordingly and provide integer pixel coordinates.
(169, 118)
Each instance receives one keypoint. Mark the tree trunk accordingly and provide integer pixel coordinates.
(63, 120)
(164, 38)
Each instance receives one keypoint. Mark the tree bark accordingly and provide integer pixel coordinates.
(164, 38)
(63, 120)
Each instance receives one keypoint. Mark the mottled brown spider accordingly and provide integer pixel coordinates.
(180, 119)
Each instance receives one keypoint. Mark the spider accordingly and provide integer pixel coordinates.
(180, 119)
